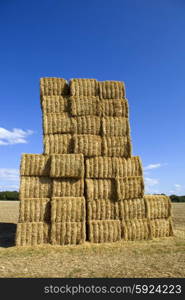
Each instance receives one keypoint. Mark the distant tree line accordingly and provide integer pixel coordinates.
(175, 198)
(9, 195)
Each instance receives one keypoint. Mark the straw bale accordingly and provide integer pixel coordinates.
(161, 227)
(111, 89)
(35, 210)
(84, 106)
(68, 233)
(35, 187)
(158, 206)
(32, 234)
(114, 108)
(58, 143)
(100, 189)
(135, 229)
(83, 87)
(111, 167)
(35, 165)
(130, 209)
(68, 209)
(101, 210)
(115, 126)
(64, 187)
(88, 125)
(52, 86)
(129, 187)
(89, 145)
(55, 104)
(116, 146)
(104, 231)
(67, 165)
(58, 123)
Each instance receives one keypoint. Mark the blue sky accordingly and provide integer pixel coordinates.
(140, 42)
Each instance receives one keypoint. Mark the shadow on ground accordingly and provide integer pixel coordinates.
(7, 234)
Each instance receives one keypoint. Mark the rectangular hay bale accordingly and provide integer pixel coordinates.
(85, 106)
(32, 234)
(68, 209)
(67, 165)
(114, 108)
(88, 145)
(52, 86)
(58, 123)
(88, 125)
(68, 233)
(35, 187)
(83, 87)
(64, 187)
(35, 165)
(55, 104)
(161, 227)
(130, 209)
(135, 229)
(101, 210)
(111, 89)
(129, 187)
(100, 189)
(119, 146)
(158, 206)
(58, 143)
(106, 231)
(115, 126)
(35, 210)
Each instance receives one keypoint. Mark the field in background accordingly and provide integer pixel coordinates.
(157, 258)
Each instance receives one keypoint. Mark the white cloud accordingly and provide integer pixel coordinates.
(177, 186)
(152, 166)
(9, 187)
(9, 174)
(16, 136)
(151, 181)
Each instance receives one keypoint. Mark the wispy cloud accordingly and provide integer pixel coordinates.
(152, 166)
(16, 136)
(151, 181)
(9, 174)
(12, 187)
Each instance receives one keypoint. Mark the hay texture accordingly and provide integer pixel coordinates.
(35, 165)
(161, 227)
(65, 187)
(104, 231)
(88, 145)
(111, 89)
(32, 234)
(35, 187)
(58, 123)
(85, 106)
(35, 210)
(115, 126)
(58, 144)
(119, 146)
(67, 165)
(135, 229)
(88, 125)
(52, 86)
(114, 108)
(111, 167)
(129, 187)
(101, 210)
(68, 233)
(158, 206)
(68, 209)
(84, 87)
(100, 189)
(55, 104)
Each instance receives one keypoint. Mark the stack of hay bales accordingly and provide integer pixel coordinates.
(86, 185)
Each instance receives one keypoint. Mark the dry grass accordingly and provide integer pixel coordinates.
(163, 257)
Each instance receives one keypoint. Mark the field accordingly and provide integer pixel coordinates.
(157, 258)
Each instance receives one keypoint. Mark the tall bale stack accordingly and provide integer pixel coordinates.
(86, 185)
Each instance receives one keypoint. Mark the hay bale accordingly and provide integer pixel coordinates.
(100, 189)
(111, 167)
(129, 187)
(32, 234)
(83, 87)
(58, 123)
(115, 126)
(68, 233)
(64, 187)
(67, 165)
(111, 89)
(135, 229)
(104, 231)
(158, 206)
(55, 104)
(35, 210)
(35, 187)
(58, 144)
(68, 209)
(116, 146)
(130, 209)
(88, 125)
(35, 165)
(52, 86)
(85, 106)
(161, 227)
(114, 108)
(101, 210)
(88, 145)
